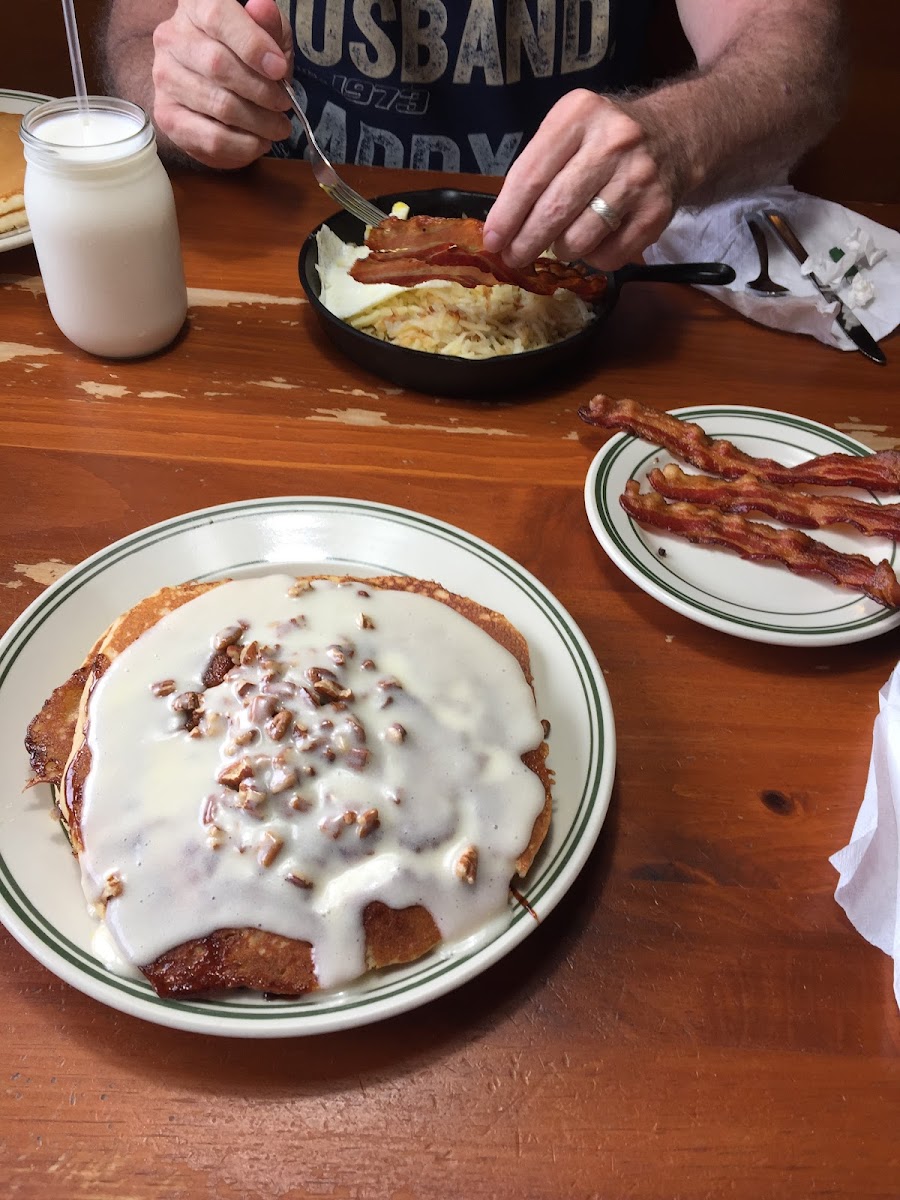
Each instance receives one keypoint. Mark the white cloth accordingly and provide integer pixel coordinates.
(720, 233)
(869, 866)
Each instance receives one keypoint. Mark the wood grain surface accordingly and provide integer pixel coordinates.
(698, 1018)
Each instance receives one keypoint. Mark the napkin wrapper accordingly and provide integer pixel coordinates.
(719, 233)
(869, 866)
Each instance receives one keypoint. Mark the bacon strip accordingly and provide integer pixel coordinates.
(424, 248)
(761, 543)
(793, 507)
(876, 472)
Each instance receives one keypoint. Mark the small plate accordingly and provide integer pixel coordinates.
(41, 902)
(18, 102)
(758, 601)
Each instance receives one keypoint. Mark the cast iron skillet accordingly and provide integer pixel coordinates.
(443, 374)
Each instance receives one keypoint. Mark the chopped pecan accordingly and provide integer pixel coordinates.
(337, 654)
(283, 689)
(299, 881)
(362, 592)
(250, 799)
(261, 708)
(395, 733)
(466, 867)
(245, 737)
(357, 758)
(212, 723)
(188, 702)
(389, 684)
(269, 846)
(314, 674)
(229, 636)
(234, 774)
(216, 669)
(300, 803)
(164, 687)
(327, 689)
(335, 826)
(545, 726)
(215, 837)
(357, 729)
(249, 653)
(112, 885)
(281, 779)
(364, 621)
(367, 664)
(298, 588)
(279, 725)
(367, 822)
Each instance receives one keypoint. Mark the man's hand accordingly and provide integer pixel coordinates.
(215, 72)
(587, 145)
(767, 86)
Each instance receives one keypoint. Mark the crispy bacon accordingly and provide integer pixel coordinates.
(760, 542)
(422, 248)
(790, 505)
(876, 472)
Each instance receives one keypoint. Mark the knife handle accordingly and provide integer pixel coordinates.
(787, 235)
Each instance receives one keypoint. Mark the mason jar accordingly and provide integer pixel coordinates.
(102, 217)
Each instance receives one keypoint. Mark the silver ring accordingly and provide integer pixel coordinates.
(606, 212)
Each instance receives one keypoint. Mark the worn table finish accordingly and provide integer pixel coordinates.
(698, 1018)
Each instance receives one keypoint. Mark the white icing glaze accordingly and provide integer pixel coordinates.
(438, 757)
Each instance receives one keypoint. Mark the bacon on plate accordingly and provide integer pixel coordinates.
(760, 542)
(790, 505)
(407, 252)
(685, 440)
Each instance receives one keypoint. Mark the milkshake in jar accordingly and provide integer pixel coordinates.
(102, 217)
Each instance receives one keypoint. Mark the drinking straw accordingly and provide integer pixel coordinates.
(68, 7)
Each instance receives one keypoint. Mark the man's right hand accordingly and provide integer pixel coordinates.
(216, 69)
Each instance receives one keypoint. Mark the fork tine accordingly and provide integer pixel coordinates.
(347, 198)
(326, 176)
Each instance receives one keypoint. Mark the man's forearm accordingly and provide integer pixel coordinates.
(771, 92)
(126, 48)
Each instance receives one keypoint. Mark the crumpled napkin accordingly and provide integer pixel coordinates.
(719, 233)
(869, 866)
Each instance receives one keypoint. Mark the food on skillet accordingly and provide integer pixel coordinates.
(762, 543)
(444, 317)
(418, 249)
(12, 175)
(282, 783)
(876, 472)
(702, 509)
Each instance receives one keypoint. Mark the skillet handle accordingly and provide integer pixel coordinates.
(706, 273)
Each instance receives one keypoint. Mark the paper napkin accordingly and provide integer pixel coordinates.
(869, 866)
(719, 233)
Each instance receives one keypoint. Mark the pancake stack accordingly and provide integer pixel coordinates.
(12, 175)
(282, 783)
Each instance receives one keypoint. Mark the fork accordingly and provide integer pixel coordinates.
(762, 283)
(326, 176)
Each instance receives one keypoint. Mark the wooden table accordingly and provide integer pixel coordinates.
(697, 1018)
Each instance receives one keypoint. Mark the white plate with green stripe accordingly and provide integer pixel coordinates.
(758, 601)
(41, 902)
(19, 103)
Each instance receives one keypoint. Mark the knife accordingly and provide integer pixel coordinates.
(845, 317)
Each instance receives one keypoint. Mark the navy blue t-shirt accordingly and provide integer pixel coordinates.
(451, 85)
